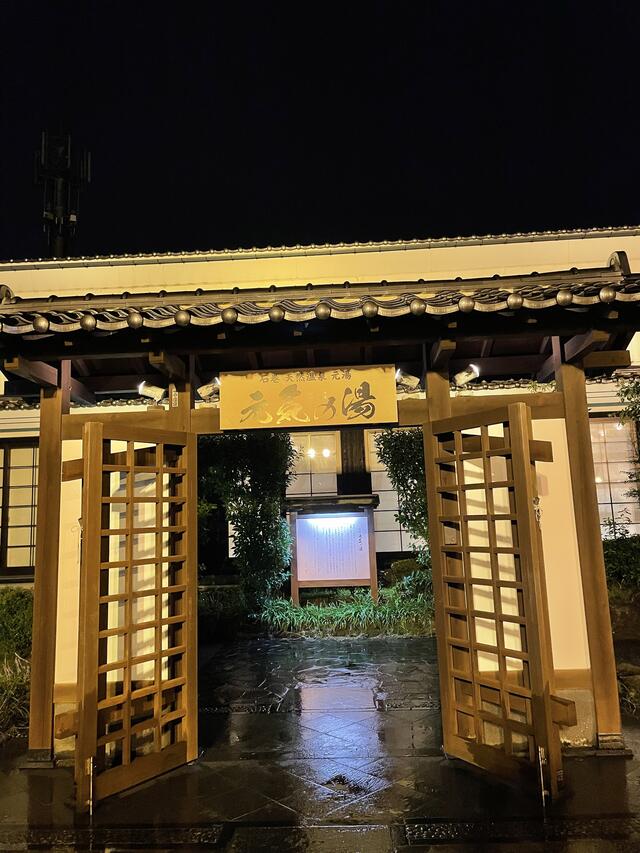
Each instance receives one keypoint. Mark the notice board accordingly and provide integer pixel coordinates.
(333, 549)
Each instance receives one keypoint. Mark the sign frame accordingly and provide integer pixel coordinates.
(297, 584)
(308, 398)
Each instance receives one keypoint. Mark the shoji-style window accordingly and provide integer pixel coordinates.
(18, 499)
(317, 465)
(614, 454)
(390, 535)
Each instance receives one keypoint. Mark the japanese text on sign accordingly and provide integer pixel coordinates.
(323, 396)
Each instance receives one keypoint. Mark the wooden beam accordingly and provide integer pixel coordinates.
(205, 420)
(72, 469)
(66, 724)
(487, 346)
(172, 366)
(571, 382)
(54, 403)
(155, 417)
(438, 395)
(441, 353)
(543, 404)
(79, 392)
(563, 711)
(33, 371)
(607, 359)
(550, 365)
(412, 412)
(581, 345)
(540, 451)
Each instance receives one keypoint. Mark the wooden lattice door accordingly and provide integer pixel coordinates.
(494, 651)
(137, 664)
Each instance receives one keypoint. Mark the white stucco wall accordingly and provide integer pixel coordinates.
(220, 270)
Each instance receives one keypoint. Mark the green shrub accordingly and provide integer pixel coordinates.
(221, 612)
(622, 561)
(16, 616)
(14, 695)
(400, 569)
(248, 473)
(400, 610)
(401, 451)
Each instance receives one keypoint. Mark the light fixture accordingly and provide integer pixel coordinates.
(472, 371)
(619, 425)
(326, 453)
(406, 382)
(154, 392)
(311, 453)
(211, 390)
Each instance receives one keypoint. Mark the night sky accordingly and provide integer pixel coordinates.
(217, 125)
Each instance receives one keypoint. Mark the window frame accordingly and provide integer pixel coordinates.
(16, 574)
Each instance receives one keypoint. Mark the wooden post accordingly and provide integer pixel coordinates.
(54, 402)
(295, 590)
(438, 395)
(571, 382)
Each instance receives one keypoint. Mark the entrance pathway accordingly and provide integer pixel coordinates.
(325, 745)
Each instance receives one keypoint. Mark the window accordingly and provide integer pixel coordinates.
(18, 498)
(614, 453)
(318, 463)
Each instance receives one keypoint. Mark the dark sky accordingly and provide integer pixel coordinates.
(217, 124)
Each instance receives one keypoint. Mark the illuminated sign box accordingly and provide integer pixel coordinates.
(310, 397)
(333, 545)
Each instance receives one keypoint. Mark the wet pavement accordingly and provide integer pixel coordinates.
(325, 745)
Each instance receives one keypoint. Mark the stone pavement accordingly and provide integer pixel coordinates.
(325, 745)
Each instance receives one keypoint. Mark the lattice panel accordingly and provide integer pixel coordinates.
(137, 660)
(141, 660)
(483, 589)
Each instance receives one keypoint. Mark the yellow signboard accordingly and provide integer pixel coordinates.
(313, 397)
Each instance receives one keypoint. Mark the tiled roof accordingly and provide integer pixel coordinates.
(568, 289)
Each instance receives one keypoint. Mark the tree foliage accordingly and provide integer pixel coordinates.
(629, 393)
(249, 473)
(402, 453)
(16, 616)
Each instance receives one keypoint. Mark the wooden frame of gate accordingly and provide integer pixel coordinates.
(137, 656)
(568, 402)
(492, 623)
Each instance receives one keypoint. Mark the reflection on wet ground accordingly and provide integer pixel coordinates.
(326, 745)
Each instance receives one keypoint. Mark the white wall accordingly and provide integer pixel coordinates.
(430, 260)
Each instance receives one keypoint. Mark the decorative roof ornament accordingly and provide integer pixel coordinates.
(573, 289)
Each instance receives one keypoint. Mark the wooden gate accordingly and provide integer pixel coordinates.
(137, 663)
(494, 650)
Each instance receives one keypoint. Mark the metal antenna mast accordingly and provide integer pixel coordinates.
(61, 176)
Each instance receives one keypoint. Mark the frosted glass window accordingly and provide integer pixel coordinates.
(18, 498)
(614, 454)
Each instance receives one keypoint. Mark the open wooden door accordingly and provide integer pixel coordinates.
(137, 664)
(494, 648)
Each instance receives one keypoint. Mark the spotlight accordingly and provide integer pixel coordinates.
(311, 453)
(152, 391)
(406, 382)
(326, 453)
(211, 390)
(470, 372)
(619, 425)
